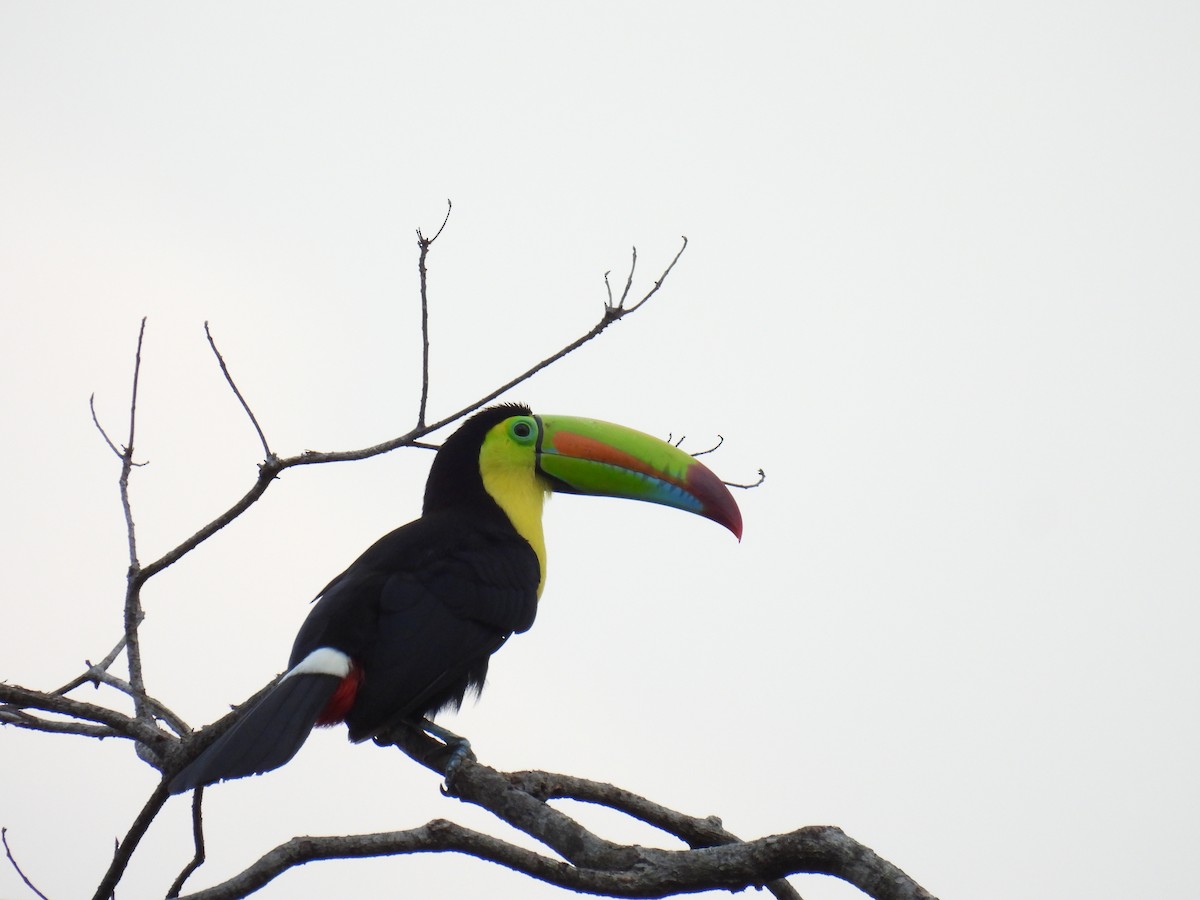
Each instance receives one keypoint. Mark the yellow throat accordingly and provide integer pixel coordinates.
(511, 479)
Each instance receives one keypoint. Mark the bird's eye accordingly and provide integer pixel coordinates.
(522, 430)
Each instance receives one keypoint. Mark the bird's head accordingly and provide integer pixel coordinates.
(516, 457)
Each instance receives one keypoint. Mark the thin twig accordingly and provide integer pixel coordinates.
(714, 447)
(657, 284)
(89, 677)
(133, 603)
(611, 314)
(762, 476)
(11, 859)
(424, 243)
(176, 755)
(100, 428)
(629, 280)
(156, 708)
(266, 474)
(198, 839)
(19, 718)
(246, 406)
(270, 469)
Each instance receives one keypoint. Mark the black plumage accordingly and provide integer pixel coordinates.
(420, 613)
(408, 629)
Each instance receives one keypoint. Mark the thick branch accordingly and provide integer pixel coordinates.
(140, 730)
(520, 800)
(133, 837)
(717, 860)
(695, 832)
(819, 850)
(487, 788)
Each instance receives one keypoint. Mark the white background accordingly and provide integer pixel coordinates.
(942, 285)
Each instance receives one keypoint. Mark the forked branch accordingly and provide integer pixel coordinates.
(716, 860)
(273, 466)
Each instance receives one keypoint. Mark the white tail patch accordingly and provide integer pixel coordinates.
(322, 661)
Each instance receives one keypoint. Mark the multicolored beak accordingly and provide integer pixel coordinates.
(587, 456)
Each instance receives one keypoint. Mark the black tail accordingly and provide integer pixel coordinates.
(264, 738)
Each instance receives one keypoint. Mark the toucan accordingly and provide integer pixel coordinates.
(408, 629)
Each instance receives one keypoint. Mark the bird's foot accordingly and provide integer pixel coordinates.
(460, 754)
(459, 747)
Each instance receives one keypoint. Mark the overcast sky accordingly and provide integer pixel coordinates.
(942, 285)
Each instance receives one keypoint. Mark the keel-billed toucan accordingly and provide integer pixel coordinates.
(409, 628)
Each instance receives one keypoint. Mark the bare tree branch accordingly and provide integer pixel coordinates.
(629, 280)
(133, 602)
(519, 799)
(649, 872)
(133, 837)
(155, 708)
(143, 731)
(169, 756)
(271, 468)
(423, 244)
(89, 676)
(8, 852)
(713, 448)
(197, 859)
(233, 385)
(762, 476)
(19, 718)
(695, 832)
(654, 290)
(618, 309)
(100, 428)
(611, 314)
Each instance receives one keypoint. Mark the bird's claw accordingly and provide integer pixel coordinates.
(458, 746)
(460, 752)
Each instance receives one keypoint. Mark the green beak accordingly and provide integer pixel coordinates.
(587, 456)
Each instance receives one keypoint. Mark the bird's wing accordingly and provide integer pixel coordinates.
(421, 612)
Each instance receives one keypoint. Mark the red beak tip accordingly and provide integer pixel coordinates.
(731, 519)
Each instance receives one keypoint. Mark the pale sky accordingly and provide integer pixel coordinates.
(943, 286)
